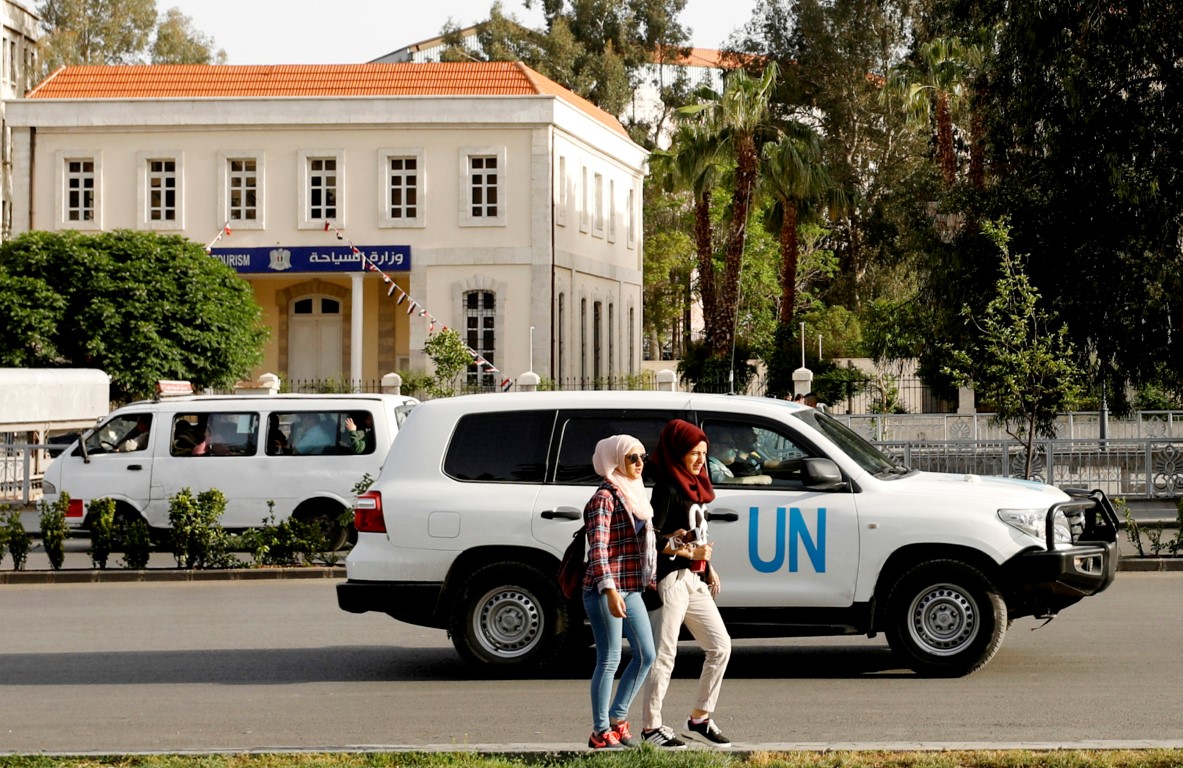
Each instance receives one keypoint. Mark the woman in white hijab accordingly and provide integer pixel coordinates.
(621, 560)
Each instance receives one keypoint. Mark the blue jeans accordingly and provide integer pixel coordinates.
(607, 631)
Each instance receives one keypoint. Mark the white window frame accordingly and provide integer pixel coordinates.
(61, 196)
(611, 210)
(144, 190)
(564, 196)
(466, 217)
(630, 224)
(385, 220)
(304, 169)
(259, 156)
(584, 204)
(598, 206)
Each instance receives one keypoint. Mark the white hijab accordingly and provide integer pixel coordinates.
(609, 463)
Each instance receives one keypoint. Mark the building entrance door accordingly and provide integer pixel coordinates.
(314, 339)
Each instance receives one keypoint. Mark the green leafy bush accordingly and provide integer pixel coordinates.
(134, 539)
(290, 542)
(102, 531)
(198, 540)
(54, 530)
(19, 540)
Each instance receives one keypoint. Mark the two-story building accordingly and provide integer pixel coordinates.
(18, 67)
(367, 205)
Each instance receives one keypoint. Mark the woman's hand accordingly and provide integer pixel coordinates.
(615, 603)
(714, 583)
(701, 551)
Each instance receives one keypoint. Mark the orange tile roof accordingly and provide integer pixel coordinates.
(179, 81)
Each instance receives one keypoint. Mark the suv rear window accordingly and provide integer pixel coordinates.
(500, 447)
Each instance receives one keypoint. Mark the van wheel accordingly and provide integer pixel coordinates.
(327, 517)
(945, 618)
(508, 616)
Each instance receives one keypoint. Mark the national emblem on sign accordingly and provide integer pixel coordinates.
(281, 259)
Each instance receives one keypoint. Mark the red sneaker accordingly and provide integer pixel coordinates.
(624, 736)
(605, 740)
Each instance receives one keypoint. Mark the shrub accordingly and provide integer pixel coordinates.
(19, 540)
(290, 542)
(198, 540)
(102, 531)
(134, 539)
(54, 530)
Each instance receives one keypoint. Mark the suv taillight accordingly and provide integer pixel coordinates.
(367, 513)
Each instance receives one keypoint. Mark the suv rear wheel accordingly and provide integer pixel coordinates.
(945, 618)
(508, 616)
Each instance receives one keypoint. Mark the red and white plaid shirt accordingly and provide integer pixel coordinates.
(614, 557)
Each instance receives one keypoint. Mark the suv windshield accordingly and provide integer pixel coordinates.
(866, 455)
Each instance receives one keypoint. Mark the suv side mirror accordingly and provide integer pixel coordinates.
(822, 475)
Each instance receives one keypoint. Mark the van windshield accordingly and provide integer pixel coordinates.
(851, 443)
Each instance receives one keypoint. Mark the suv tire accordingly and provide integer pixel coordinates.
(509, 616)
(945, 618)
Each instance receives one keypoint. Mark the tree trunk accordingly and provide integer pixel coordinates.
(789, 253)
(707, 289)
(741, 203)
(945, 156)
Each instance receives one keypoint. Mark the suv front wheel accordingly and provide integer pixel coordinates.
(508, 615)
(945, 618)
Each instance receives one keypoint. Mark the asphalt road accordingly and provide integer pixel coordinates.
(249, 665)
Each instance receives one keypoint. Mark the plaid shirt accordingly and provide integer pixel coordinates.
(613, 546)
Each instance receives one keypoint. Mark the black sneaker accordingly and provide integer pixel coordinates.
(708, 732)
(663, 737)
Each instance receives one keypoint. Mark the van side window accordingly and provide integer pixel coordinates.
(215, 434)
(752, 455)
(125, 433)
(500, 447)
(320, 433)
(579, 435)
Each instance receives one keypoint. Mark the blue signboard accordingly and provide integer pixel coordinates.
(339, 258)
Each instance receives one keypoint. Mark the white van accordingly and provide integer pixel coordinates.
(305, 453)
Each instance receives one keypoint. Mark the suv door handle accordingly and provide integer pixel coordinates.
(134, 467)
(722, 517)
(562, 513)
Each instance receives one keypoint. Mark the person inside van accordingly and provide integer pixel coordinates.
(359, 432)
(136, 438)
(277, 441)
(309, 435)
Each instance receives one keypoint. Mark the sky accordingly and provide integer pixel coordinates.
(356, 31)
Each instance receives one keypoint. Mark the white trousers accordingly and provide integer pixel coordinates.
(685, 598)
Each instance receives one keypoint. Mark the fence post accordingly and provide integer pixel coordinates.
(392, 384)
(667, 380)
(528, 382)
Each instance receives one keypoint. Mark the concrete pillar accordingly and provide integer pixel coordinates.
(965, 401)
(528, 382)
(392, 384)
(357, 318)
(802, 381)
(266, 384)
(667, 380)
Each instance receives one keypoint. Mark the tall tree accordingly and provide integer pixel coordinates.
(736, 120)
(96, 32)
(932, 88)
(177, 42)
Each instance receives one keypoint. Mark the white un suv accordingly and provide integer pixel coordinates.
(480, 495)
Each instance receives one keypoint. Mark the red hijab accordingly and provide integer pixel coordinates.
(676, 440)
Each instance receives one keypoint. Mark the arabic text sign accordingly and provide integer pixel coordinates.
(278, 259)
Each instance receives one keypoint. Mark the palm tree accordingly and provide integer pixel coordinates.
(796, 178)
(693, 162)
(933, 89)
(734, 124)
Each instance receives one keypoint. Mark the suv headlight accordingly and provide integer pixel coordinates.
(1033, 522)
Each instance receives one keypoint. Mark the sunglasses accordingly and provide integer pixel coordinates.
(636, 458)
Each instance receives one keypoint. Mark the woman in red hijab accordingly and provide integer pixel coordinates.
(686, 582)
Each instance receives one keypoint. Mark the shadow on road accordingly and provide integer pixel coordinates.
(262, 666)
